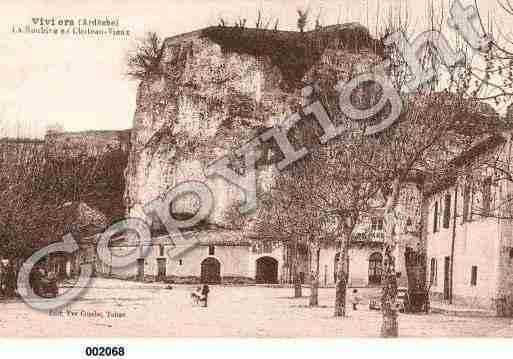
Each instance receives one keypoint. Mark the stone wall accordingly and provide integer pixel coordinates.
(91, 143)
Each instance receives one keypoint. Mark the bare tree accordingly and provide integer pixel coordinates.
(429, 134)
(488, 71)
(276, 23)
(36, 179)
(318, 25)
(302, 19)
(440, 120)
(303, 203)
(258, 22)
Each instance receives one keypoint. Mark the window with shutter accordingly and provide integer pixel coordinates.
(435, 218)
(447, 211)
(473, 276)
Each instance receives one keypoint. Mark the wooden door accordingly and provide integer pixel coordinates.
(161, 269)
(140, 269)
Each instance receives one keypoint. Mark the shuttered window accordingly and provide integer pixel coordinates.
(435, 218)
(473, 275)
(447, 211)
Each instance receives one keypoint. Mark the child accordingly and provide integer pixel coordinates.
(355, 299)
(196, 295)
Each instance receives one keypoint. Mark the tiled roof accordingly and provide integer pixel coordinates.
(207, 237)
(192, 240)
(224, 237)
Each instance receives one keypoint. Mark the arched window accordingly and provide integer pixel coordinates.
(375, 268)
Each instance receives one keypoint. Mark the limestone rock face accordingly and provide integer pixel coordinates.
(220, 88)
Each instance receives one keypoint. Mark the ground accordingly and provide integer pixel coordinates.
(151, 310)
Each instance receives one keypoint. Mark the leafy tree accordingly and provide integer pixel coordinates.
(144, 61)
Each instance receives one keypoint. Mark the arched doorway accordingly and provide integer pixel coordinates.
(375, 268)
(210, 271)
(266, 270)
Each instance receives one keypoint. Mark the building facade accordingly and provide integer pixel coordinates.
(211, 256)
(469, 238)
(228, 256)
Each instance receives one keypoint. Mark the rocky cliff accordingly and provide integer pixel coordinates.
(219, 88)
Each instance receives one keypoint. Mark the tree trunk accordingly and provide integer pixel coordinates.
(314, 280)
(341, 283)
(389, 325)
(314, 292)
(340, 296)
(297, 285)
(297, 280)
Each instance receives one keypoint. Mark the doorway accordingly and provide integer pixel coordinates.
(375, 268)
(211, 271)
(140, 269)
(161, 269)
(266, 270)
(447, 269)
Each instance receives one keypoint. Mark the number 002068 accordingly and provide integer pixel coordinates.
(105, 351)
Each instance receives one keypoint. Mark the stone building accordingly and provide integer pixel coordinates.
(366, 246)
(218, 255)
(212, 256)
(469, 238)
(81, 222)
(365, 258)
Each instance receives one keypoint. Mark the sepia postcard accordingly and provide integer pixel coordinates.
(256, 169)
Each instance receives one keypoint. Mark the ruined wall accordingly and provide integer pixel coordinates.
(221, 87)
(92, 143)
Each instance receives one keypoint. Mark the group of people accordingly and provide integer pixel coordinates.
(42, 283)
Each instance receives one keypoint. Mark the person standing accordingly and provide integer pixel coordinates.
(355, 299)
(204, 292)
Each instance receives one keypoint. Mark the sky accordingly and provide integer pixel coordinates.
(79, 82)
